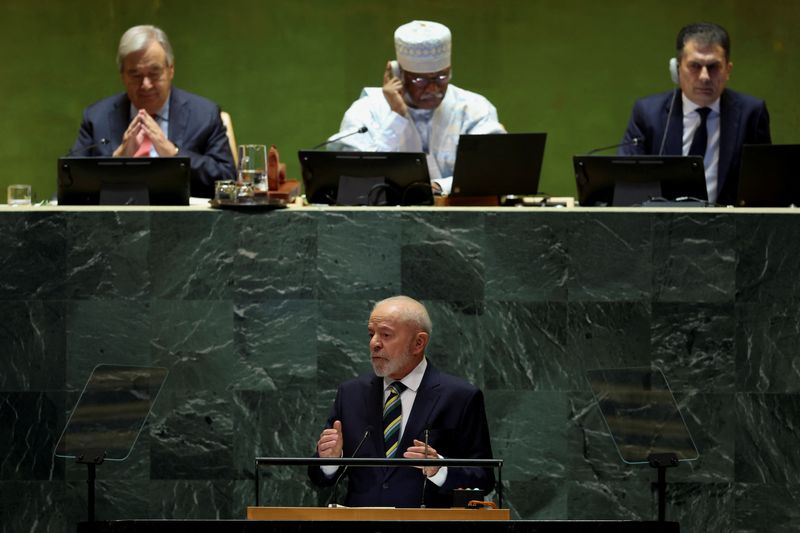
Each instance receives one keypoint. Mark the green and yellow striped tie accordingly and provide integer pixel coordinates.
(392, 416)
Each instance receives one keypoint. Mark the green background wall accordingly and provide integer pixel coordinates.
(287, 70)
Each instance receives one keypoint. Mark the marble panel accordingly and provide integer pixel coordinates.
(191, 500)
(32, 423)
(32, 334)
(342, 341)
(34, 256)
(274, 424)
(694, 258)
(105, 331)
(768, 265)
(276, 342)
(610, 256)
(191, 437)
(540, 499)
(766, 507)
(767, 337)
(40, 506)
(276, 255)
(766, 438)
(459, 343)
(526, 346)
(358, 255)
(194, 340)
(607, 335)
(443, 257)
(700, 507)
(107, 255)
(693, 344)
(526, 257)
(528, 430)
(191, 255)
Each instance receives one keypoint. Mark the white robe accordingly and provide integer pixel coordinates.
(460, 112)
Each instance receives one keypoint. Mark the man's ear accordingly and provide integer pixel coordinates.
(421, 341)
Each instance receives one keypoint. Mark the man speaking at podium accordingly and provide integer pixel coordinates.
(389, 413)
(154, 119)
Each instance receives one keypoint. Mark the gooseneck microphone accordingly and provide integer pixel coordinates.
(636, 141)
(362, 129)
(666, 126)
(332, 499)
(101, 142)
(424, 475)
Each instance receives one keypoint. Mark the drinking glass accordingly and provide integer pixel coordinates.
(19, 194)
(253, 167)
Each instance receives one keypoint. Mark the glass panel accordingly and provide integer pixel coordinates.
(641, 414)
(111, 412)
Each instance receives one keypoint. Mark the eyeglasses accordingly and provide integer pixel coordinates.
(422, 82)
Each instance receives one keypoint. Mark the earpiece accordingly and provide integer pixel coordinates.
(673, 70)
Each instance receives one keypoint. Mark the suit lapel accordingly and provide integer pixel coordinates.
(729, 113)
(427, 398)
(374, 410)
(179, 114)
(118, 120)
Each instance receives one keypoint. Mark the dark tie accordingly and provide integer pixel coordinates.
(700, 140)
(392, 416)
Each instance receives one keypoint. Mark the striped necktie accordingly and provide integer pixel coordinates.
(392, 416)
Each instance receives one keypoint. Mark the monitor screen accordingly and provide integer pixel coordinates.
(498, 164)
(769, 175)
(366, 178)
(604, 180)
(123, 181)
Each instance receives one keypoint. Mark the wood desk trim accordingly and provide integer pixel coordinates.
(373, 513)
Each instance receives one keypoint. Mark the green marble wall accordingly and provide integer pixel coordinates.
(259, 316)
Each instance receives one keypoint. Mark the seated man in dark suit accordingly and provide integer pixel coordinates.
(152, 118)
(389, 412)
(703, 117)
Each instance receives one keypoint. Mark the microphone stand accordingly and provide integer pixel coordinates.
(101, 142)
(362, 129)
(333, 498)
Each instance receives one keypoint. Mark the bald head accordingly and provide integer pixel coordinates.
(410, 311)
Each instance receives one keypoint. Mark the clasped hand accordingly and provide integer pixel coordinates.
(143, 125)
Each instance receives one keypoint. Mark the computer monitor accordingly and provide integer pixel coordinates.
(366, 178)
(604, 180)
(123, 181)
(498, 164)
(769, 175)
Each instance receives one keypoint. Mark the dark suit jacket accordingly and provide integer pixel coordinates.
(453, 412)
(743, 120)
(195, 128)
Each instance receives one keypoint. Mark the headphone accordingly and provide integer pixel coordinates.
(673, 70)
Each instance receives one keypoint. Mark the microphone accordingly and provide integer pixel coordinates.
(332, 499)
(636, 141)
(101, 142)
(362, 129)
(666, 126)
(424, 475)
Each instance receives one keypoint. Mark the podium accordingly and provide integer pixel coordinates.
(373, 514)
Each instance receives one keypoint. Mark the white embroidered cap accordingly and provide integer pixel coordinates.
(423, 46)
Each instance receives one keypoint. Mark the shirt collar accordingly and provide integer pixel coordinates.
(161, 115)
(411, 380)
(690, 107)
